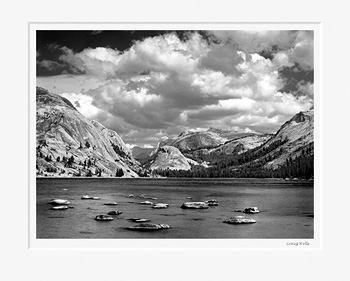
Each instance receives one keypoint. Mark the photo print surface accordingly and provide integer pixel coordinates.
(174, 134)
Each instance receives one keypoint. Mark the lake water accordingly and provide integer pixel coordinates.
(286, 208)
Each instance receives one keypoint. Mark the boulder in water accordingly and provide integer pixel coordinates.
(194, 205)
(139, 220)
(251, 210)
(114, 213)
(148, 227)
(239, 220)
(164, 226)
(212, 202)
(59, 202)
(160, 206)
(146, 203)
(103, 218)
(86, 197)
(61, 207)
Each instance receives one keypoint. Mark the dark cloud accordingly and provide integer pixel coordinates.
(223, 58)
(293, 77)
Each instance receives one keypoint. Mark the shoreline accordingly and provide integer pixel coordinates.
(162, 178)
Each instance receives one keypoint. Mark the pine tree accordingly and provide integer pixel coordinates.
(119, 173)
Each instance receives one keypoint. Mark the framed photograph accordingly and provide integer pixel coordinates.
(236, 109)
(199, 133)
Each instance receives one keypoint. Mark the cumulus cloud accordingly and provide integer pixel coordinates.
(163, 85)
(83, 103)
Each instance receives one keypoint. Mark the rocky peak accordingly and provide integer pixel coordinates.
(70, 144)
(43, 97)
(300, 117)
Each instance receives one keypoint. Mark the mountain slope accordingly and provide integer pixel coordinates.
(288, 153)
(69, 144)
(198, 147)
(295, 135)
(169, 157)
(240, 145)
(193, 140)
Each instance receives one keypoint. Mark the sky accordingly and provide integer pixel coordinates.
(150, 84)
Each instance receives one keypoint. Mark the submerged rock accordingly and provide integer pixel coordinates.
(148, 227)
(139, 220)
(59, 202)
(87, 197)
(103, 218)
(62, 207)
(160, 206)
(111, 203)
(146, 203)
(164, 226)
(251, 210)
(114, 213)
(239, 220)
(195, 205)
(212, 202)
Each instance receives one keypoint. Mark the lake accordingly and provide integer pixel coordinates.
(286, 208)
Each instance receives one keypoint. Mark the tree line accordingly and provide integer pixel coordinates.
(301, 166)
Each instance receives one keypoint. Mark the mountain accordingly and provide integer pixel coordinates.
(194, 147)
(141, 154)
(69, 144)
(295, 136)
(193, 140)
(169, 157)
(288, 153)
(240, 145)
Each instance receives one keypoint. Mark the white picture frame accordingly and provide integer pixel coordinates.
(329, 261)
(314, 243)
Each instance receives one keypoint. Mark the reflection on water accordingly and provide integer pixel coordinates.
(286, 208)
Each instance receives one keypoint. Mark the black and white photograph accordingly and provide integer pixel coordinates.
(175, 134)
(187, 140)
